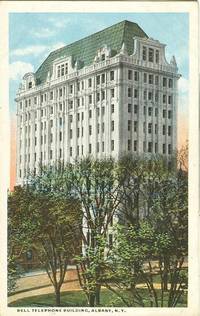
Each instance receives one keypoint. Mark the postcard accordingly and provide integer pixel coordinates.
(99, 158)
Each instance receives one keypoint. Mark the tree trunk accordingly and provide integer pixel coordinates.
(92, 300)
(97, 295)
(57, 294)
(165, 274)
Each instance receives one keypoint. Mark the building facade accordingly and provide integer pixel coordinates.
(108, 94)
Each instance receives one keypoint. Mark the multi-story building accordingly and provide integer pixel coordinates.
(110, 93)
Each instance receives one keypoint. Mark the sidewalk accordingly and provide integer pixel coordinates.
(39, 284)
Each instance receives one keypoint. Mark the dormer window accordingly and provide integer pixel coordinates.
(157, 56)
(30, 85)
(151, 53)
(103, 57)
(62, 70)
(144, 53)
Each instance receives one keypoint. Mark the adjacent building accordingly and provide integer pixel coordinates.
(108, 94)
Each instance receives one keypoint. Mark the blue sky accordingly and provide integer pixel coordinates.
(32, 36)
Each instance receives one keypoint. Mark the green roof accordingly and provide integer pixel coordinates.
(86, 48)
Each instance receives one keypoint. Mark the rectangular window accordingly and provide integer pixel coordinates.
(90, 148)
(51, 154)
(164, 82)
(90, 99)
(71, 104)
(98, 128)
(135, 126)
(78, 117)
(112, 108)
(70, 151)
(112, 75)
(150, 111)
(156, 96)
(102, 146)
(164, 98)
(129, 125)
(149, 147)
(164, 113)
(90, 113)
(78, 86)
(98, 111)
(112, 93)
(70, 118)
(156, 111)
(130, 74)
(129, 144)
(150, 95)
(164, 148)
(156, 129)
(164, 129)
(135, 108)
(90, 129)
(135, 145)
(89, 82)
(169, 99)
(97, 146)
(82, 85)
(157, 56)
(98, 96)
(136, 75)
(35, 100)
(145, 78)
(103, 95)
(129, 92)
(103, 78)
(169, 114)
(82, 131)
(156, 80)
(149, 128)
(129, 108)
(145, 94)
(71, 88)
(112, 145)
(144, 53)
(150, 79)
(170, 83)
(78, 132)
(70, 133)
(60, 92)
(169, 130)
(82, 116)
(103, 110)
(135, 93)
(60, 153)
(151, 55)
(77, 150)
(51, 138)
(98, 80)
(60, 136)
(112, 125)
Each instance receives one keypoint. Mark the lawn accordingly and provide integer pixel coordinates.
(78, 298)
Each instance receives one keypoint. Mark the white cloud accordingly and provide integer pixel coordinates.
(43, 33)
(29, 50)
(36, 50)
(60, 22)
(183, 85)
(18, 69)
